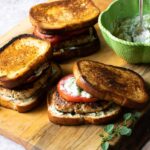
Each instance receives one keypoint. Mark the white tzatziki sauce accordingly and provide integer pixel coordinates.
(127, 29)
(71, 87)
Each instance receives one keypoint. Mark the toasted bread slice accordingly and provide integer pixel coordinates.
(111, 83)
(21, 57)
(64, 118)
(64, 15)
(25, 98)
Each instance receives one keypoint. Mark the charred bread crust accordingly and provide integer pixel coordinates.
(83, 82)
(19, 79)
(18, 37)
(27, 105)
(38, 12)
(61, 118)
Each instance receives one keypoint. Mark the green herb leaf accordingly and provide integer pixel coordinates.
(127, 116)
(105, 146)
(110, 137)
(125, 131)
(137, 115)
(117, 130)
(109, 128)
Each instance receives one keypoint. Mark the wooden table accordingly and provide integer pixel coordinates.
(33, 129)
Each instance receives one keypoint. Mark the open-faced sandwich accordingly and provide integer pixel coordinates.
(68, 25)
(94, 94)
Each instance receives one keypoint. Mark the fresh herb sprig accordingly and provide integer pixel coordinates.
(118, 130)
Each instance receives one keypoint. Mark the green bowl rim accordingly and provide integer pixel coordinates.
(110, 34)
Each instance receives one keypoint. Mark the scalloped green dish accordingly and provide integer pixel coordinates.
(119, 9)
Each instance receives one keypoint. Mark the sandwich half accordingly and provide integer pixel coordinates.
(26, 97)
(120, 85)
(26, 71)
(68, 26)
(63, 112)
(23, 59)
(93, 94)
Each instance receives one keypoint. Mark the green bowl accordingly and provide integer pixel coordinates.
(119, 9)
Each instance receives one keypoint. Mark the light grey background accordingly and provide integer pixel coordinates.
(11, 12)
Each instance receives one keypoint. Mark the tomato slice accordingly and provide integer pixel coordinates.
(68, 95)
(55, 39)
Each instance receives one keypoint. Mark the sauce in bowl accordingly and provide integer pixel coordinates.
(130, 29)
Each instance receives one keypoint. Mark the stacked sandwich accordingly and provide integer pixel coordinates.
(68, 25)
(94, 94)
(25, 70)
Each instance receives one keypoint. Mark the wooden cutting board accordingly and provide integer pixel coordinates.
(33, 129)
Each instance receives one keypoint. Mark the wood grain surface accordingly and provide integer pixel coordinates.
(33, 129)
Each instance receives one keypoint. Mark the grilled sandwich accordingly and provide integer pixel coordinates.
(26, 97)
(26, 71)
(23, 59)
(68, 26)
(95, 93)
(121, 85)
